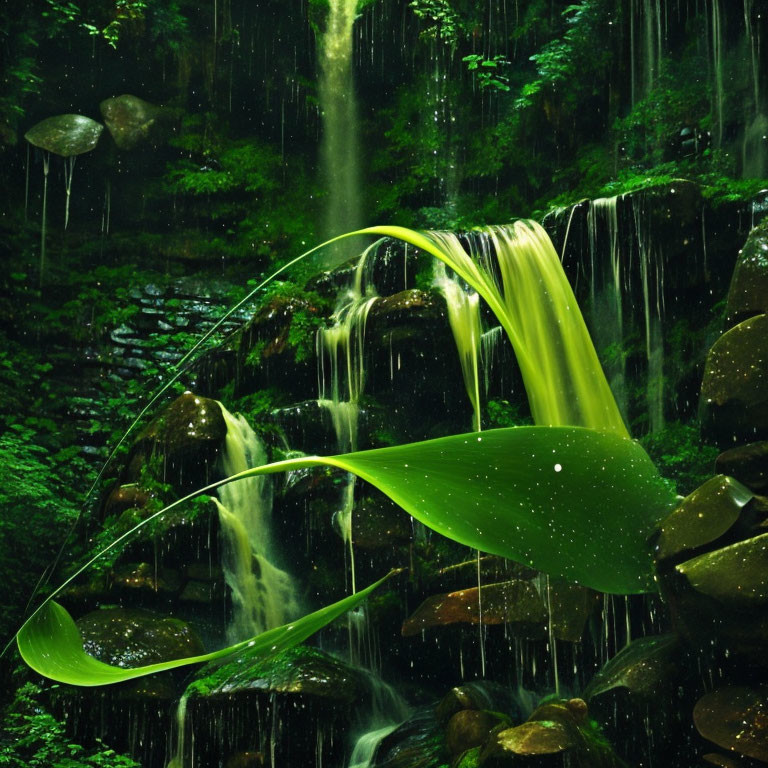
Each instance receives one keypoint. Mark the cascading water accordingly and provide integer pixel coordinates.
(339, 151)
(342, 345)
(530, 294)
(388, 711)
(606, 292)
(263, 595)
(718, 92)
(755, 144)
(646, 36)
(464, 316)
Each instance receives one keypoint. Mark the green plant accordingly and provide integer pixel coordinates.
(31, 737)
(488, 71)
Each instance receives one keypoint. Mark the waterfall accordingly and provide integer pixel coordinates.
(652, 278)
(342, 345)
(388, 711)
(464, 316)
(263, 596)
(339, 152)
(645, 16)
(717, 66)
(528, 290)
(179, 759)
(606, 294)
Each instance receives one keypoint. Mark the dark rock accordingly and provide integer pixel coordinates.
(246, 760)
(125, 497)
(418, 743)
(181, 445)
(130, 120)
(276, 347)
(511, 601)
(132, 638)
(748, 294)
(379, 523)
(558, 733)
(736, 575)
(723, 761)
(703, 517)
(189, 426)
(469, 728)
(143, 577)
(515, 602)
(65, 135)
(405, 315)
(299, 671)
(747, 463)
(209, 571)
(644, 667)
(735, 718)
(734, 393)
(204, 592)
(459, 698)
(303, 689)
(530, 739)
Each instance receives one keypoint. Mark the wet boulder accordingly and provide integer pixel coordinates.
(378, 523)
(519, 603)
(735, 718)
(558, 733)
(304, 689)
(276, 348)
(132, 638)
(748, 464)
(65, 135)
(145, 579)
(748, 294)
(130, 120)
(702, 518)
(181, 445)
(469, 728)
(734, 393)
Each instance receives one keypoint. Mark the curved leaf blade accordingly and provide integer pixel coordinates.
(50, 643)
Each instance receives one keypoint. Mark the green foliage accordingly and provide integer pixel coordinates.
(31, 737)
(502, 413)
(36, 497)
(488, 70)
(681, 456)
(234, 191)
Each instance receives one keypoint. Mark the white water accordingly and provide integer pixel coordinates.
(183, 755)
(388, 711)
(263, 595)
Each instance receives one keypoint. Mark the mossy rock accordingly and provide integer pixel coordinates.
(300, 671)
(734, 393)
(187, 427)
(748, 294)
(469, 728)
(132, 638)
(406, 315)
(558, 733)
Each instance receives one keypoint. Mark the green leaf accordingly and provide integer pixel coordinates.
(51, 644)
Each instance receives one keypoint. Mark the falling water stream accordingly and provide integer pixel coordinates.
(339, 151)
(263, 596)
